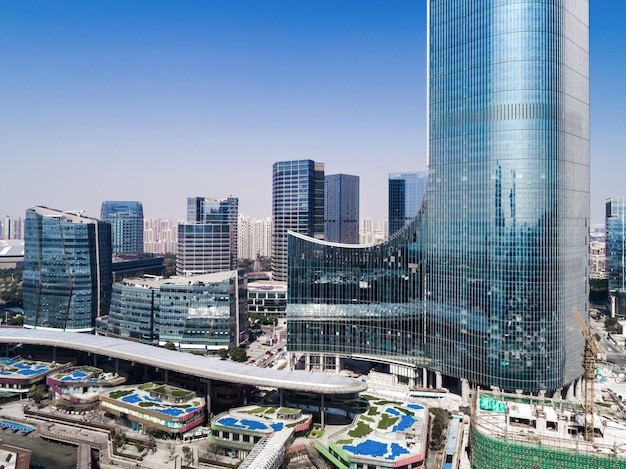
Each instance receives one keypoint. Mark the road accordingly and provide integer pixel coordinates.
(614, 350)
(258, 352)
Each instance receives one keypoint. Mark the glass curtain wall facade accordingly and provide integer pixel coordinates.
(358, 300)
(406, 192)
(208, 313)
(126, 219)
(341, 208)
(503, 237)
(615, 252)
(208, 241)
(506, 244)
(297, 205)
(67, 270)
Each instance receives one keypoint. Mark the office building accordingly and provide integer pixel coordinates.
(205, 313)
(406, 192)
(126, 219)
(207, 242)
(615, 252)
(67, 270)
(341, 208)
(297, 205)
(267, 297)
(480, 287)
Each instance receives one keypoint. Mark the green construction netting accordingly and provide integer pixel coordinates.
(487, 403)
(491, 453)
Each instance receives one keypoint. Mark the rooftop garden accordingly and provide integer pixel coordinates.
(374, 434)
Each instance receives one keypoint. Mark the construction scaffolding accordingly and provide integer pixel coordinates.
(512, 431)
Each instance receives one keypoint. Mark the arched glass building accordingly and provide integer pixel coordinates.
(481, 285)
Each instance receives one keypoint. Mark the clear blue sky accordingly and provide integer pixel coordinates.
(160, 100)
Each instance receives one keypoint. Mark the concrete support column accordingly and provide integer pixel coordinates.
(465, 391)
(54, 353)
(307, 362)
(424, 378)
(438, 380)
(322, 412)
(580, 384)
(95, 360)
(280, 397)
(337, 363)
(208, 397)
(117, 366)
(165, 375)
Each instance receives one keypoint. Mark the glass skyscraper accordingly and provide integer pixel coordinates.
(482, 284)
(126, 219)
(341, 208)
(297, 205)
(67, 270)
(406, 192)
(207, 242)
(615, 253)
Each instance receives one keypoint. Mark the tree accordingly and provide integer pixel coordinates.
(38, 392)
(211, 450)
(610, 323)
(119, 440)
(169, 346)
(238, 354)
(223, 353)
(187, 455)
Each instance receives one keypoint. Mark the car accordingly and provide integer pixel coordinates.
(279, 349)
(270, 354)
(251, 361)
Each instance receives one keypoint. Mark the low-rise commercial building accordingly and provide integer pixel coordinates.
(81, 384)
(156, 407)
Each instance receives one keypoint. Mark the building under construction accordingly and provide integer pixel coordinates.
(513, 431)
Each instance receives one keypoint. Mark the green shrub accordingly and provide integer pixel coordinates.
(387, 421)
(118, 394)
(361, 430)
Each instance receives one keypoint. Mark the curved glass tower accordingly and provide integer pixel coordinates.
(508, 190)
(504, 231)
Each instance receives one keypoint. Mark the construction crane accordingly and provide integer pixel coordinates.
(589, 364)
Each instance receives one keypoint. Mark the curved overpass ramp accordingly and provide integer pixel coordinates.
(196, 365)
